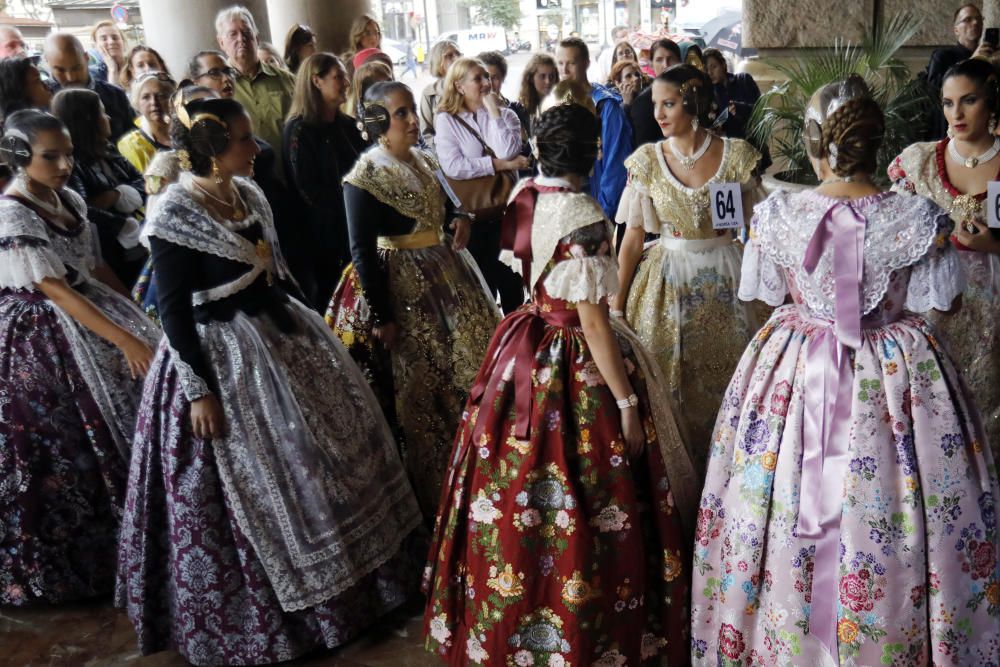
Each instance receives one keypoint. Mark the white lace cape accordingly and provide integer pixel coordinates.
(178, 218)
(902, 231)
(41, 253)
(558, 214)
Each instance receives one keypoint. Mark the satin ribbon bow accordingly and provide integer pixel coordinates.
(827, 419)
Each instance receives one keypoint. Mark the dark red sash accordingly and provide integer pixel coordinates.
(515, 231)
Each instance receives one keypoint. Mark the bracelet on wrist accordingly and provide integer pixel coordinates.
(630, 401)
(616, 313)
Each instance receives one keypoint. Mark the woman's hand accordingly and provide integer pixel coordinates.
(980, 240)
(461, 227)
(629, 89)
(137, 354)
(386, 333)
(519, 162)
(493, 104)
(207, 420)
(635, 435)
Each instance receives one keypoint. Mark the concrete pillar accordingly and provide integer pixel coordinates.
(180, 32)
(331, 21)
(991, 13)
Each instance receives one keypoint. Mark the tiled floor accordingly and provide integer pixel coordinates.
(97, 635)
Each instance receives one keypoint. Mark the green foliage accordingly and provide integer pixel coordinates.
(503, 13)
(780, 112)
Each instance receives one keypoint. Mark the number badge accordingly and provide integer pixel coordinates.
(727, 205)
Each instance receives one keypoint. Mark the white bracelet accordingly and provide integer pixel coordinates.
(616, 313)
(630, 402)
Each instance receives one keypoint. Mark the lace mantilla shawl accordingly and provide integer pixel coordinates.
(414, 192)
(557, 214)
(900, 231)
(686, 209)
(42, 252)
(180, 219)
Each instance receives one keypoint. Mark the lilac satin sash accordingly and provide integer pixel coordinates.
(826, 427)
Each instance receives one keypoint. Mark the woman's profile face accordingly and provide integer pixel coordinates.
(238, 158)
(35, 90)
(51, 159)
(668, 109)
(404, 124)
(716, 71)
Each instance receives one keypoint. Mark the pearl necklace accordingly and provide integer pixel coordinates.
(975, 161)
(689, 160)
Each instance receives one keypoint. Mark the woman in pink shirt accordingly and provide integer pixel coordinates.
(475, 136)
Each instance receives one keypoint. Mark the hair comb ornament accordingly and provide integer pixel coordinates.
(15, 148)
(568, 92)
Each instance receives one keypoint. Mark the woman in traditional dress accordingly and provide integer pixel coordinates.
(267, 511)
(849, 514)
(412, 308)
(70, 379)
(954, 173)
(680, 294)
(560, 539)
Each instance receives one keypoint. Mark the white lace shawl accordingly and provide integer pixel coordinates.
(902, 231)
(591, 279)
(30, 252)
(558, 214)
(178, 218)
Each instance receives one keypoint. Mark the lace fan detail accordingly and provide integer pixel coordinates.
(900, 231)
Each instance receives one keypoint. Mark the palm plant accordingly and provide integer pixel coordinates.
(780, 112)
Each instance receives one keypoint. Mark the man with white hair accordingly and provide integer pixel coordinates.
(264, 91)
(11, 42)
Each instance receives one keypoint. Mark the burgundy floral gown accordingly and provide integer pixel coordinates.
(67, 409)
(552, 547)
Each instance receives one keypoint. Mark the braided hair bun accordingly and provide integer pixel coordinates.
(204, 131)
(566, 138)
(845, 126)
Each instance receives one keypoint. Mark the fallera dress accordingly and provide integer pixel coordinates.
(972, 334)
(849, 513)
(552, 548)
(405, 270)
(682, 301)
(67, 409)
(290, 532)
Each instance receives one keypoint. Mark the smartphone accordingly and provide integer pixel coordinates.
(992, 36)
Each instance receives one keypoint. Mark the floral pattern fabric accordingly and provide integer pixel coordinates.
(917, 574)
(972, 334)
(556, 549)
(682, 301)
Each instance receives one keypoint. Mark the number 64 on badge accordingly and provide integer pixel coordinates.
(726, 202)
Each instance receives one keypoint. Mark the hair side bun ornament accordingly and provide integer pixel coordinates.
(568, 91)
(15, 148)
(209, 134)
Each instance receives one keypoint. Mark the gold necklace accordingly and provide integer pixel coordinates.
(238, 211)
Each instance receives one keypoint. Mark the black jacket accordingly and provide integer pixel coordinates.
(90, 178)
(645, 129)
(316, 159)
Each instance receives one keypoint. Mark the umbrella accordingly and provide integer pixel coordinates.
(731, 39)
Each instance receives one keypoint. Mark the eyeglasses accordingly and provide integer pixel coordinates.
(219, 73)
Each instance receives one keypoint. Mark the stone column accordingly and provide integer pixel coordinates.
(331, 21)
(179, 32)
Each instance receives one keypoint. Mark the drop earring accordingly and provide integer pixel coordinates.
(216, 172)
(993, 125)
(951, 133)
(695, 124)
(384, 142)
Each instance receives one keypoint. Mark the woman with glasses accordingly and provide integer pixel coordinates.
(150, 96)
(210, 69)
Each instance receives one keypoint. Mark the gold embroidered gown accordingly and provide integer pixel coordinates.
(404, 270)
(972, 334)
(682, 301)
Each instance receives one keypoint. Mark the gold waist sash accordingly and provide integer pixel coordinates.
(415, 241)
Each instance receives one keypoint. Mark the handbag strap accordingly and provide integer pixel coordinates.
(486, 149)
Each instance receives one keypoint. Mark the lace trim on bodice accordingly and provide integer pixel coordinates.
(687, 210)
(53, 252)
(899, 232)
(178, 218)
(413, 190)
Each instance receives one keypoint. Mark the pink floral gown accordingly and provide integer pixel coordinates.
(849, 513)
